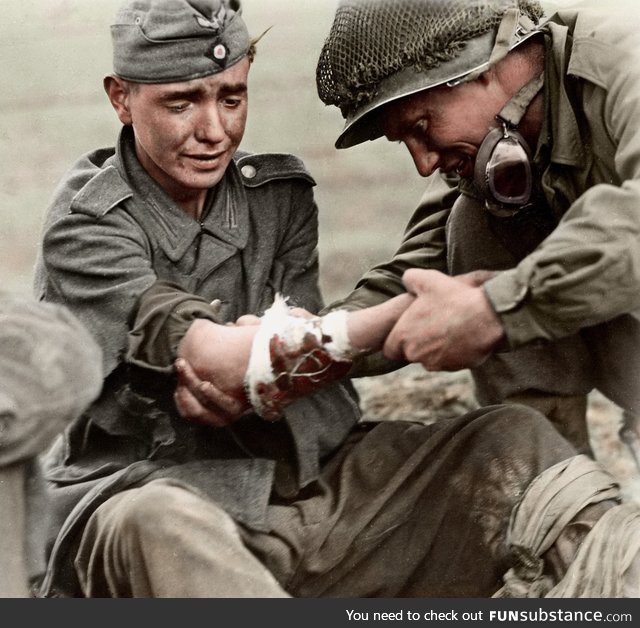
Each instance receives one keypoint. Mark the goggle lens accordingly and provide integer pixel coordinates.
(509, 172)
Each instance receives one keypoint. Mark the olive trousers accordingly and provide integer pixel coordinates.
(400, 510)
(552, 377)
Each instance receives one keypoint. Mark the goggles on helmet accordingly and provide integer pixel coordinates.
(503, 171)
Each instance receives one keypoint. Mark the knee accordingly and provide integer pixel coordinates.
(510, 419)
(161, 510)
(526, 433)
(507, 415)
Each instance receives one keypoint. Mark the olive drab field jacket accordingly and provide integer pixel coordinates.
(584, 277)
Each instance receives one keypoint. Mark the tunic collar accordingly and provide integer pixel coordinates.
(226, 214)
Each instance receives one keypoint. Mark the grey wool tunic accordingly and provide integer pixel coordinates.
(110, 235)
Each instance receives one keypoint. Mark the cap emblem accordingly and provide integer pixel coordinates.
(216, 22)
(220, 52)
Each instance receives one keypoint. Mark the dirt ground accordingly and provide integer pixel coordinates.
(413, 393)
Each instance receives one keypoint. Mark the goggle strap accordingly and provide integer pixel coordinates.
(515, 109)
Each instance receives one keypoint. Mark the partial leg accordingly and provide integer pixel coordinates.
(162, 540)
(410, 510)
(13, 575)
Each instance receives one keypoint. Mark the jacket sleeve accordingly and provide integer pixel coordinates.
(97, 267)
(163, 315)
(588, 270)
(423, 246)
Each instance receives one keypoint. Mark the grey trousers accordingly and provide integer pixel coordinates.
(401, 510)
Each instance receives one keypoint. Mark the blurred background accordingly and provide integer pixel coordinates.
(53, 56)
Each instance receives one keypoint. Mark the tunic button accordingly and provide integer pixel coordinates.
(249, 171)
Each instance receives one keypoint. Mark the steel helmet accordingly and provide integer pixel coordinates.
(378, 51)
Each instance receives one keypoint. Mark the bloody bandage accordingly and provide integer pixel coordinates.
(292, 357)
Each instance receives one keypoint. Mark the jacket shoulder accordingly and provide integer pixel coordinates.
(103, 190)
(257, 169)
(605, 44)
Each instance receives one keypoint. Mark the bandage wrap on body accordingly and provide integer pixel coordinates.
(293, 356)
(607, 560)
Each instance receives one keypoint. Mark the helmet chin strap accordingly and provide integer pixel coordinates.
(514, 28)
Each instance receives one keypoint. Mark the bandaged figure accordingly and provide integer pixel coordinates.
(571, 536)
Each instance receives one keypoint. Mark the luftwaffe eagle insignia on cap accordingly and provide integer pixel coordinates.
(216, 22)
(213, 24)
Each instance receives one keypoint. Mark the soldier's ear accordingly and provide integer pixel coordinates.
(118, 91)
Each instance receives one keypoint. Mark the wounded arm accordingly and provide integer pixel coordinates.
(423, 246)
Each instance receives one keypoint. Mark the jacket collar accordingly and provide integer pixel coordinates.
(226, 215)
(560, 131)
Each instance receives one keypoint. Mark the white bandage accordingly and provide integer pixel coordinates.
(291, 356)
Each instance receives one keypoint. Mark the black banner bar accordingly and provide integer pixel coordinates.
(325, 613)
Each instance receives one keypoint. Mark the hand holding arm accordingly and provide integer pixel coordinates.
(205, 394)
(211, 366)
(450, 325)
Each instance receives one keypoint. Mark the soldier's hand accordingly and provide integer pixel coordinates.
(449, 326)
(476, 278)
(202, 402)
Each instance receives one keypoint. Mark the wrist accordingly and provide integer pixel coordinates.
(369, 328)
(199, 332)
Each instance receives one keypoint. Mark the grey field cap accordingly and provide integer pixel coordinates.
(456, 41)
(167, 41)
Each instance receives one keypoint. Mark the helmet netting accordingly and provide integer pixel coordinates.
(372, 39)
